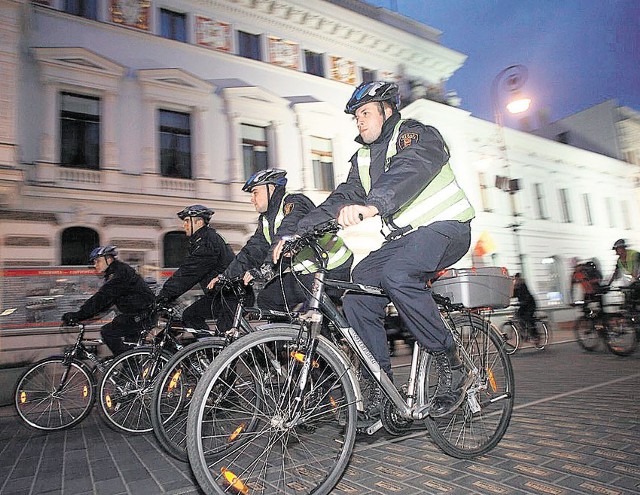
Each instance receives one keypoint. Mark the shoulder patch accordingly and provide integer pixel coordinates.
(288, 208)
(406, 139)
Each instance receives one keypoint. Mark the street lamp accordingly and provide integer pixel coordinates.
(510, 80)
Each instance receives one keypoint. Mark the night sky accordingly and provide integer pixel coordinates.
(578, 52)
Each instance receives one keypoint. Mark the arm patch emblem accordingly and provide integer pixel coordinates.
(288, 208)
(406, 139)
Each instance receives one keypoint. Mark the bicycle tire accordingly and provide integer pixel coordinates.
(543, 335)
(510, 336)
(620, 335)
(586, 333)
(40, 406)
(173, 392)
(125, 389)
(468, 433)
(274, 456)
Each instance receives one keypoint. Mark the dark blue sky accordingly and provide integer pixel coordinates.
(578, 52)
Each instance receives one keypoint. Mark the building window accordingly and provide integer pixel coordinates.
(76, 244)
(249, 45)
(314, 63)
(80, 131)
(174, 247)
(484, 192)
(612, 219)
(175, 144)
(322, 158)
(564, 202)
(254, 149)
(367, 75)
(551, 281)
(173, 25)
(82, 8)
(587, 209)
(539, 202)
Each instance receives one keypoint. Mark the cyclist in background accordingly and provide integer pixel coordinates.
(124, 289)
(207, 256)
(279, 212)
(628, 267)
(526, 306)
(589, 278)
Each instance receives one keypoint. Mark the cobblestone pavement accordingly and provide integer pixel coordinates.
(575, 430)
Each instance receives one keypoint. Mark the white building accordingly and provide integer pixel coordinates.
(115, 114)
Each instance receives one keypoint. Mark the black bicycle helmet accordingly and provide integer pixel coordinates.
(197, 211)
(273, 176)
(103, 251)
(373, 91)
(619, 243)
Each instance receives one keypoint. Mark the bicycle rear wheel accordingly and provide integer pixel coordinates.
(126, 387)
(510, 336)
(173, 392)
(247, 434)
(480, 422)
(586, 333)
(542, 339)
(54, 395)
(620, 335)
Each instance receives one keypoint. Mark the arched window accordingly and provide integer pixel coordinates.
(76, 245)
(174, 247)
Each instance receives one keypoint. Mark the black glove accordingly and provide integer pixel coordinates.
(162, 301)
(70, 319)
(262, 274)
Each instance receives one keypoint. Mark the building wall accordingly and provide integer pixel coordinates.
(136, 72)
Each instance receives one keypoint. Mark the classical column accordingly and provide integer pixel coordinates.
(109, 159)
(199, 136)
(150, 159)
(50, 123)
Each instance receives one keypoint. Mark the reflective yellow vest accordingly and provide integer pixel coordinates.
(333, 244)
(442, 199)
(629, 266)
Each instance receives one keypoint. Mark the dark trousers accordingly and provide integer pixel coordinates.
(194, 316)
(280, 294)
(526, 313)
(402, 267)
(129, 326)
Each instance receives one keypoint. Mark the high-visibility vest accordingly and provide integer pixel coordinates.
(629, 266)
(304, 261)
(442, 199)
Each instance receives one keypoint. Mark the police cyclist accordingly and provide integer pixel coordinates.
(401, 173)
(628, 267)
(279, 212)
(122, 288)
(208, 255)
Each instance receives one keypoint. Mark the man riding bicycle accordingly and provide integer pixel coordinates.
(402, 174)
(628, 267)
(279, 212)
(124, 289)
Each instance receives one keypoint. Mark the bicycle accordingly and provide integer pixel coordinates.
(276, 412)
(127, 384)
(58, 392)
(178, 378)
(618, 330)
(514, 330)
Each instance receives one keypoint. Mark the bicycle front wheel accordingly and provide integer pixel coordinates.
(542, 338)
(510, 337)
(126, 387)
(173, 392)
(620, 335)
(252, 430)
(586, 333)
(54, 395)
(480, 422)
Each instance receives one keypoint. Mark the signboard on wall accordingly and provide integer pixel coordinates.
(133, 13)
(342, 70)
(284, 53)
(213, 34)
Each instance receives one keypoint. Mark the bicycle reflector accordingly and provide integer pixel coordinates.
(107, 401)
(298, 356)
(236, 432)
(492, 380)
(174, 381)
(234, 481)
(85, 391)
(23, 397)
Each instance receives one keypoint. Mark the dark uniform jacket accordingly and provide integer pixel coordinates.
(208, 255)
(409, 172)
(257, 250)
(124, 288)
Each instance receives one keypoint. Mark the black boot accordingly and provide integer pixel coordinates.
(453, 381)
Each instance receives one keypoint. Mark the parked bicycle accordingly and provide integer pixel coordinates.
(515, 331)
(59, 391)
(618, 330)
(126, 387)
(276, 411)
(177, 380)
